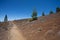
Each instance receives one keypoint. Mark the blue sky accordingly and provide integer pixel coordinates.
(21, 9)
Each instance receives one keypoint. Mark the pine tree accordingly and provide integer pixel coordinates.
(43, 14)
(5, 19)
(57, 9)
(51, 12)
(34, 14)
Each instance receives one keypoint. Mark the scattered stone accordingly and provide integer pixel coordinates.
(58, 33)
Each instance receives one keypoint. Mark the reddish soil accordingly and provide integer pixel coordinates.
(45, 28)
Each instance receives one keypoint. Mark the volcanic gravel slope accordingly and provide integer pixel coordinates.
(45, 28)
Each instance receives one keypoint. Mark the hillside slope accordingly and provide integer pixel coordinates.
(45, 28)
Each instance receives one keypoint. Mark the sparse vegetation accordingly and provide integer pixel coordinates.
(30, 19)
(36, 29)
(42, 20)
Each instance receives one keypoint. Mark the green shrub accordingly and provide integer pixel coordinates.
(30, 19)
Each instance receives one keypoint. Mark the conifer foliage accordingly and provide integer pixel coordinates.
(57, 9)
(5, 19)
(51, 12)
(43, 14)
(34, 15)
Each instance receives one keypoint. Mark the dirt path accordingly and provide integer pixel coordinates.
(14, 33)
